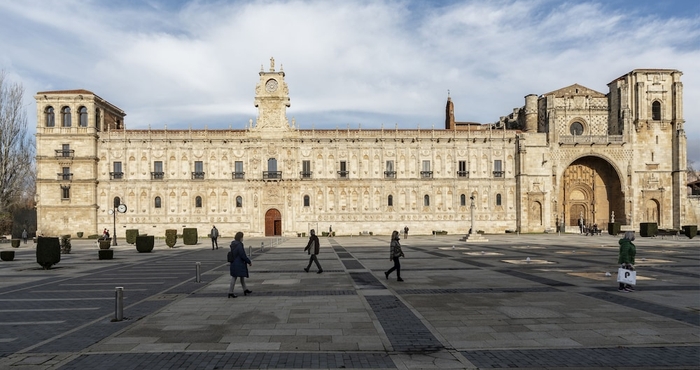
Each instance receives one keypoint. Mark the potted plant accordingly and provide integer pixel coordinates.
(189, 236)
(690, 230)
(647, 229)
(144, 244)
(48, 251)
(15, 243)
(79, 234)
(170, 237)
(65, 244)
(105, 243)
(131, 235)
(105, 254)
(7, 255)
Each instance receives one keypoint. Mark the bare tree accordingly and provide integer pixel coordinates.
(17, 177)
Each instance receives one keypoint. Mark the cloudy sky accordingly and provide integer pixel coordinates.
(370, 63)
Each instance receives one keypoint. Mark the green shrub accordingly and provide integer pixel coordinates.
(79, 234)
(65, 244)
(48, 251)
(690, 230)
(144, 244)
(94, 236)
(170, 237)
(613, 228)
(15, 243)
(647, 229)
(131, 235)
(105, 254)
(105, 243)
(189, 236)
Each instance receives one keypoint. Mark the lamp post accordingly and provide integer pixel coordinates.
(471, 210)
(121, 208)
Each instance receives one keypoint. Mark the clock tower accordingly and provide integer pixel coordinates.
(272, 100)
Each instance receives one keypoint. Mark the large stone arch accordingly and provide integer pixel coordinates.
(591, 188)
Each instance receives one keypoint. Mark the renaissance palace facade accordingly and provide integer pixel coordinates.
(566, 155)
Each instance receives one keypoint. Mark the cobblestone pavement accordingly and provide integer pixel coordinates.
(517, 301)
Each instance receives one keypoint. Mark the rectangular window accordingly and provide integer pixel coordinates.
(116, 173)
(157, 173)
(238, 173)
(389, 172)
(198, 170)
(66, 150)
(65, 192)
(497, 168)
(65, 174)
(305, 169)
(343, 173)
(462, 169)
(425, 170)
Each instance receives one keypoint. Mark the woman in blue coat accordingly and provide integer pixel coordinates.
(239, 266)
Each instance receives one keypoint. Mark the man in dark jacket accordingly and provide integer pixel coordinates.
(313, 248)
(214, 234)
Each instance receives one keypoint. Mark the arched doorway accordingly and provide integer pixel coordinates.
(273, 222)
(591, 189)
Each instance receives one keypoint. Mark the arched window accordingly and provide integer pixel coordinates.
(50, 117)
(462, 200)
(498, 199)
(239, 201)
(157, 202)
(306, 201)
(656, 111)
(390, 201)
(198, 202)
(426, 200)
(83, 116)
(97, 119)
(65, 114)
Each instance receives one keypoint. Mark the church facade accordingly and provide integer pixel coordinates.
(569, 155)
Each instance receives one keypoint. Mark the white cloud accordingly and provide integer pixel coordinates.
(357, 62)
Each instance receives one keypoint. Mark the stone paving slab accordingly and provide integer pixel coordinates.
(452, 311)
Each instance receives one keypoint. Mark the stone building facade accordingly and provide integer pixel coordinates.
(570, 154)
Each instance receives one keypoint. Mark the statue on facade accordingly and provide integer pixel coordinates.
(612, 217)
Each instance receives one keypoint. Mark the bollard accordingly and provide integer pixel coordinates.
(119, 303)
(250, 250)
(262, 246)
(198, 268)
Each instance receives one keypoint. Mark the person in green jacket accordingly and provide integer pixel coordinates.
(626, 258)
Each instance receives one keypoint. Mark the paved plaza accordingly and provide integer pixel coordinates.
(543, 301)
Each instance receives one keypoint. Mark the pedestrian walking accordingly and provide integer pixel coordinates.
(24, 236)
(626, 258)
(214, 234)
(405, 232)
(395, 253)
(313, 247)
(239, 265)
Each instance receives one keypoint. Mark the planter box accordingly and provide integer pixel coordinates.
(144, 244)
(15, 243)
(613, 228)
(170, 237)
(105, 254)
(48, 252)
(7, 255)
(647, 229)
(105, 243)
(690, 230)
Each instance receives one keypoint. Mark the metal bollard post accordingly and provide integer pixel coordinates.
(119, 303)
(262, 247)
(198, 268)
(250, 250)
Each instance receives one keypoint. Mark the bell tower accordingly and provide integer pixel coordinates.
(272, 100)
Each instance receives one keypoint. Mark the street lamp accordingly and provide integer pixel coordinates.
(471, 208)
(121, 208)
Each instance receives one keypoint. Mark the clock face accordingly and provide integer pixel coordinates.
(271, 85)
(121, 208)
(111, 212)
